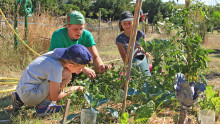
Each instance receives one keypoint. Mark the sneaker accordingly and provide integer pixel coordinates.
(48, 110)
(16, 102)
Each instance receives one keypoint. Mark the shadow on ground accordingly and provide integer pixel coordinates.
(216, 52)
(5, 101)
(212, 75)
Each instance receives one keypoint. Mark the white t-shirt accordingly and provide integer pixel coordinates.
(45, 67)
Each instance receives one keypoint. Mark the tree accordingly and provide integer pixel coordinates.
(66, 8)
(104, 12)
(7, 6)
(152, 7)
(84, 5)
(49, 5)
(113, 7)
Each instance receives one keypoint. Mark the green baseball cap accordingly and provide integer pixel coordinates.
(75, 17)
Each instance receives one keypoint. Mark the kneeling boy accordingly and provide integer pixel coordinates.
(44, 78)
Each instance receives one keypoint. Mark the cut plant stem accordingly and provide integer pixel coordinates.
(66, 111)
(182, 115)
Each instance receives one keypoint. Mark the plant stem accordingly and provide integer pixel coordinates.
(182, 115)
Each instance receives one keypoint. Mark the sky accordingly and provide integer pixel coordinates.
(207, 2)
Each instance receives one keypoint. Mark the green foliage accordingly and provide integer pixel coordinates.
(145, 112)
(164, 57)
(152, 7)
(7, 6)
(124, 118)
(106, 85)
(49, 5)
(104, 12)
(113, 8)
(69, 118)
(216, 16)
(211, 99)
(83, 5)
(95, 102)
(113, 112)
(77, 98)
(158, 17)
(216, 103)
(66, 8)
(183, 52)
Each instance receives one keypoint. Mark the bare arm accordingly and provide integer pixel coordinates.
(122, 51)
(56, 93)
(99, 66)
(95, 56)
(66, 77)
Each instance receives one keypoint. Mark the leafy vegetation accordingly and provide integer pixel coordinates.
(211, 100)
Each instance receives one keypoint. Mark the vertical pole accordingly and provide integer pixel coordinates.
(182, 115)
(129, 56)
(183, 112)
(188, 46)
(38, 9)
(146, 26)
(66, 111)
(152, 28)
(99, 32)
(26, 28)
(1, 24)
(15, 26)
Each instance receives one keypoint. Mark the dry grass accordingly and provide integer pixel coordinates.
(212, 42)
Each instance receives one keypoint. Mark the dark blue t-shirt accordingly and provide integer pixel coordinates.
(124, 40)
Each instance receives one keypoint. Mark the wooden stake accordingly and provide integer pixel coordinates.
(183, 112)
(187, 2)
(66, 111)
(129, 56)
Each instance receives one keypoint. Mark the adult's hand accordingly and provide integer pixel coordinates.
(89, 72)
(103, 68)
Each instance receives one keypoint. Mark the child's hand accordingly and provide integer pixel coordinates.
(89, 72)
(140, 49)
(77, 88)
(147, 54)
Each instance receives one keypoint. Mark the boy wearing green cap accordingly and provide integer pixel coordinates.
(74, 33)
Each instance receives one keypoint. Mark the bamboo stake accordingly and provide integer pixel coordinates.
(131, 50)
(187, 2)
(183, 112)
(66, 111)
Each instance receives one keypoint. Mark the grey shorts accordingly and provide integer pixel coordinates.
(36, 95)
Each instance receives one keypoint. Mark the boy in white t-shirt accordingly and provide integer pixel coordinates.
(44, 78)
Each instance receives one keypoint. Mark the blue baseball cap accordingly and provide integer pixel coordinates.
(77, 53)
